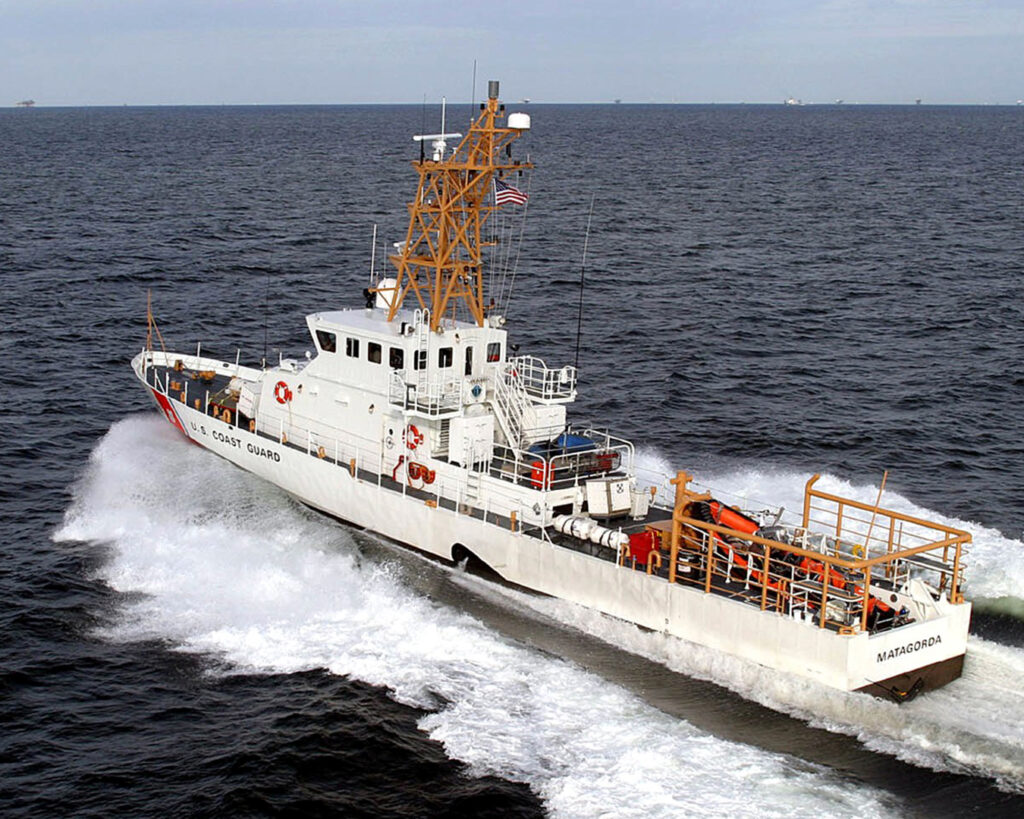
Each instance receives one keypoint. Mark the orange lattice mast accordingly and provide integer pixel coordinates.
(440, 260)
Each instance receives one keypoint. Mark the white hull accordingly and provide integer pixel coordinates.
(416, 418)
(845, 661)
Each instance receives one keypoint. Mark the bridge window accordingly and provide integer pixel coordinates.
(373, 352)
(396, 358)
(444, 357)
(469, 361)
(328, 341)
(419, 361)
(493, 352)
(352, 347)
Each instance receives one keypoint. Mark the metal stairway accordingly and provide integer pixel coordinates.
(512, 406)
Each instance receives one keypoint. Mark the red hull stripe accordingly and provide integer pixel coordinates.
(168, 410)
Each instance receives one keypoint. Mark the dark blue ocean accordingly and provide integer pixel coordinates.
(770, 292)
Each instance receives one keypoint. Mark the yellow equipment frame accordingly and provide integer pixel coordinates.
(440, 261)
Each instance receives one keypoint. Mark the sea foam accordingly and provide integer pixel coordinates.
(974, 725)
(228, 566)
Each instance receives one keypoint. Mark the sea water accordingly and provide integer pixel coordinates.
(768, 292)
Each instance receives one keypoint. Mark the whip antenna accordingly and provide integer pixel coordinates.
(874, 513)
(266, 318)
(423, 127)
(583, 268)
(373, 253)
(472, 97)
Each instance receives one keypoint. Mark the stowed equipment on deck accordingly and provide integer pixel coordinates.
(849, 566)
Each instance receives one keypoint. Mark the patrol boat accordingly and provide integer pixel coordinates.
(415, 419)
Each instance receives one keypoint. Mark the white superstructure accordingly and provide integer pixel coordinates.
(417, 422)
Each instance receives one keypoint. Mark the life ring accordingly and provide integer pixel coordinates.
(226, 417)
(858, 551)
(413, 437)
(321, 453)
(419, 472)
(282, 392)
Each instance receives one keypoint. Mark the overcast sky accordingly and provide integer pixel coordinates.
(111, 52)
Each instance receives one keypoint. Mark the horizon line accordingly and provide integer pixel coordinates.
(612, 102)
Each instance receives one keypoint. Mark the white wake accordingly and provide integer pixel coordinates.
(228, 566)
(974, 725)
(995, 561)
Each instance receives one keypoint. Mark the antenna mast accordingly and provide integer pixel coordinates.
(583, 269)
(373, 252)
(440, 261)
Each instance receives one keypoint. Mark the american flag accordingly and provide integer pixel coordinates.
(504, 193)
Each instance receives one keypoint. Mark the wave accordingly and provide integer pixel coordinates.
(990, 577)
(1012, 606)
(220, 563)
(974, 725)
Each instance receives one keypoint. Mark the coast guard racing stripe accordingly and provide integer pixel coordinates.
(169, 412)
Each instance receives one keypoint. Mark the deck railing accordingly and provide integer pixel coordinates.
(429, 397)
(547, 385)
(516, 485)
(890, 541)
(813, 573)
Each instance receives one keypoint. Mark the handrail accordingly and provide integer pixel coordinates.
(810, 491)
(822, 556)
(505, 494)
(508, 413)
(431, 396)
(839, 582)
(543, 382)
(772, 582)
(190, 361)
(909, 527)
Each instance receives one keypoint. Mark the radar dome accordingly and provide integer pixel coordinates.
(521, 122)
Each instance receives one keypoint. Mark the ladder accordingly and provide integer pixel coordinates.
(512, 406)
(472, 495)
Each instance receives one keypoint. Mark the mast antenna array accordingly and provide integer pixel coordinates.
(440, 262)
